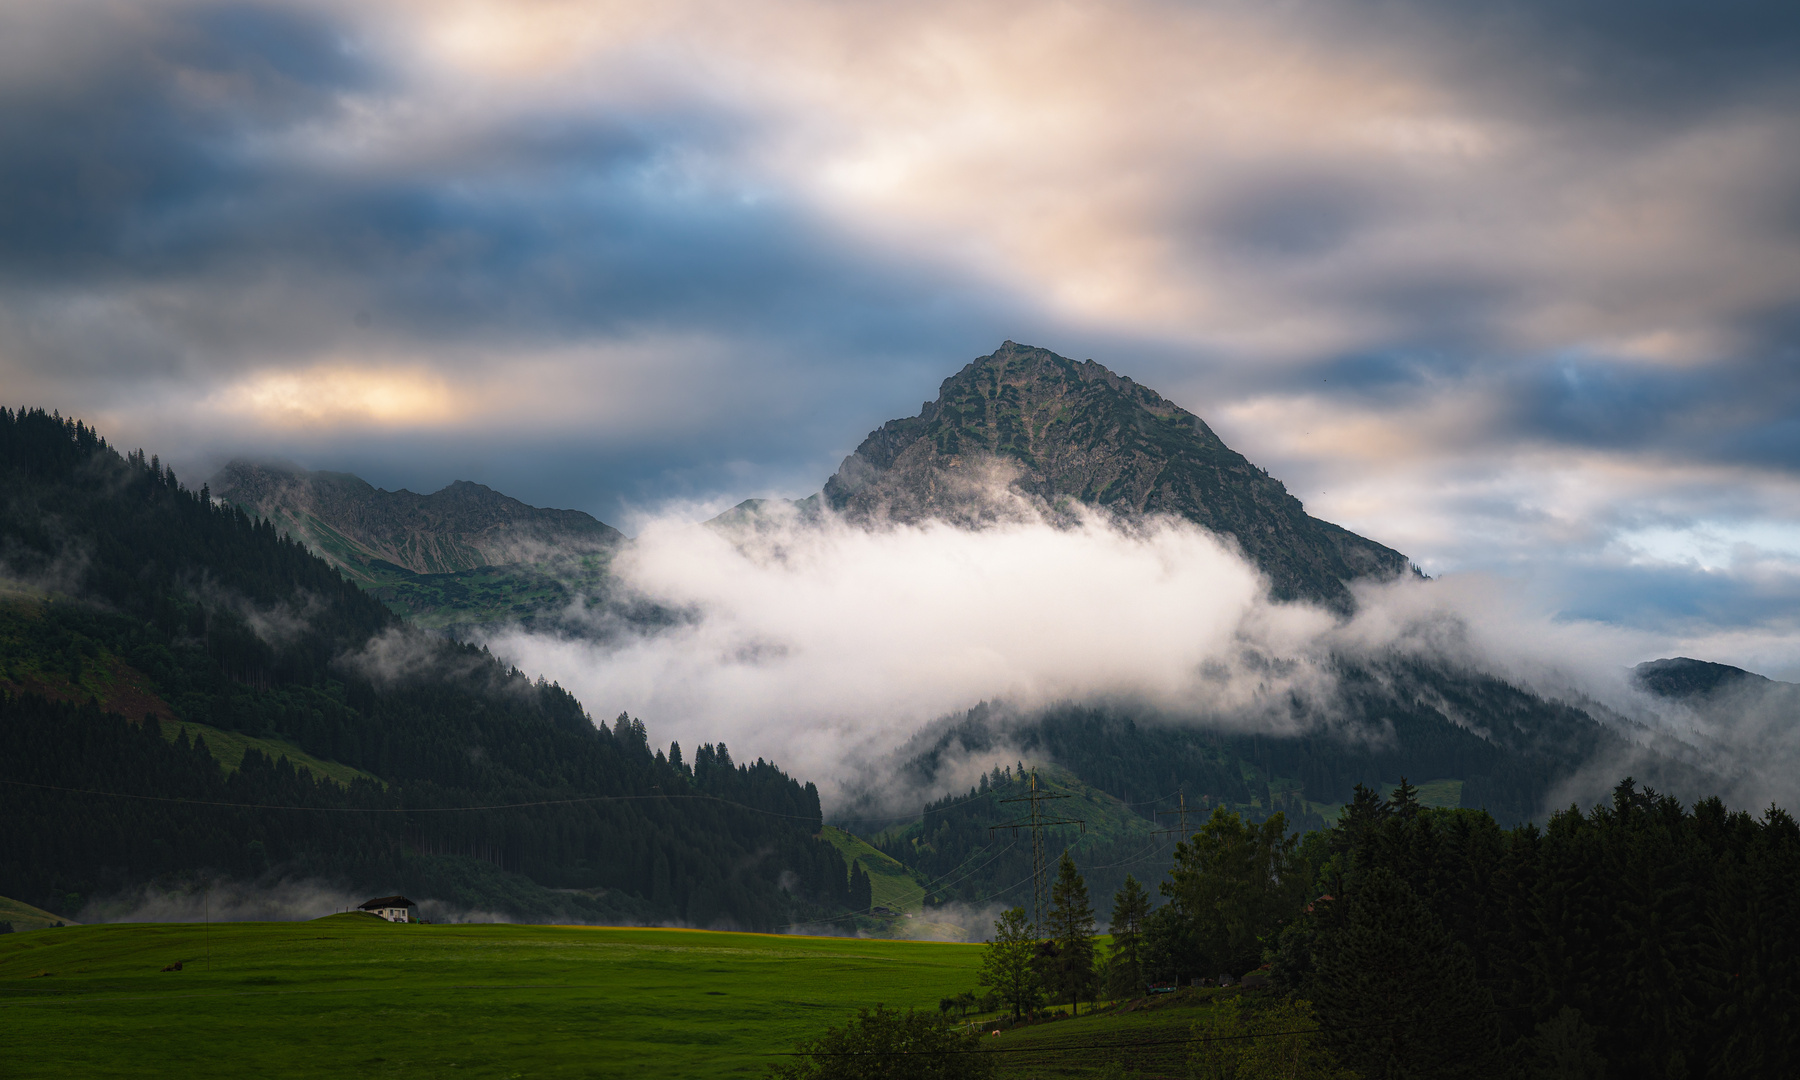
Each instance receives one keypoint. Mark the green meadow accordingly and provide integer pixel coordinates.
(349, 995)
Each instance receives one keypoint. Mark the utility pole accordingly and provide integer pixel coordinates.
(1181, 830)
(1037, 822)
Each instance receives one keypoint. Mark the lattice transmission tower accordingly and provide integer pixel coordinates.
(1037, 823)
(1182, 830)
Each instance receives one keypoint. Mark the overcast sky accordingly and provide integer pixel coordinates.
(1512, 287)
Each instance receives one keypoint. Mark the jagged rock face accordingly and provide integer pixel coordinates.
(460, 527)
(1034, 424)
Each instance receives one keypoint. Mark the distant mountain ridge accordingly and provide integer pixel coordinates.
(1054, 430)
(1683, 677)
(461, 557)
(355, 524)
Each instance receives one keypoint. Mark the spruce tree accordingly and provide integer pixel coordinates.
(1398, 995)
(862, 890)
(1072, 929)
(1131, 906)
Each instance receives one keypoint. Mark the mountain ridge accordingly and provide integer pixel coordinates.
(1683, 677)
(461, 526)
(460, 557)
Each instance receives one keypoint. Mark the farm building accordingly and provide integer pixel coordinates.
(391, 908)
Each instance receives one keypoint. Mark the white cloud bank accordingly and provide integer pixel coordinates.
(812, 644)
(824, 646)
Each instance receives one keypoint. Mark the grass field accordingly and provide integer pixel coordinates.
(349, 995)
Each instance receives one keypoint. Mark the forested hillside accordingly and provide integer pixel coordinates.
(955, 848)
(1389, 719)
(142, 601)
(1507, 747)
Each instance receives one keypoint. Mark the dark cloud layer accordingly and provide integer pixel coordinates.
(698, 255)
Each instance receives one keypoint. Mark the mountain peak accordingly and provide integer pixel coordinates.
(1050, 428)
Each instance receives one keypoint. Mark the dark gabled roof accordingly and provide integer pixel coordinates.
(386, 901)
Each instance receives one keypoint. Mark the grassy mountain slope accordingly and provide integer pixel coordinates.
(1056, 430)
(24, 917)
(892, 885)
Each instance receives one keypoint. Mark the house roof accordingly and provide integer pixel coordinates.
(386, 901)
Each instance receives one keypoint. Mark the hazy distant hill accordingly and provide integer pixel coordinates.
(1685, 678)
(1054, 430)
(463, 555)
(354, 523)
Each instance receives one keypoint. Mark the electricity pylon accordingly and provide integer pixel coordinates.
(1037, 822)
(1181, 830)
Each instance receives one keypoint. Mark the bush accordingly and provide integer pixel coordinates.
(884, 1044)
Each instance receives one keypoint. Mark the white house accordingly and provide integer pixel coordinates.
(391, 908)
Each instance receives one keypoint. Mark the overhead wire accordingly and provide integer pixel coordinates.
(572, 801)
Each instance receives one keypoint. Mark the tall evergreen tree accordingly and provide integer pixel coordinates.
(1072, 929)
(862, 889)
(1131, 906)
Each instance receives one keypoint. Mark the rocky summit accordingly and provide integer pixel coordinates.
(1025, 422)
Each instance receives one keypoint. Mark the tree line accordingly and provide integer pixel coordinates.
(1638, 938)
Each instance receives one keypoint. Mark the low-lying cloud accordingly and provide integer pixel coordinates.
(824, 646)
(816, 643)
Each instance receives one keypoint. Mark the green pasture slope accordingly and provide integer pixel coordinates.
(349, 995)
(23, 916)
(891, 885)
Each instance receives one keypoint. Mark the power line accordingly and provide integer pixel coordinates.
(945, 880)
(1037, 823)
(1181, 829)
(412, 809)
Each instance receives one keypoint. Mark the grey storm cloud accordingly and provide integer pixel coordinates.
(1500, 283)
